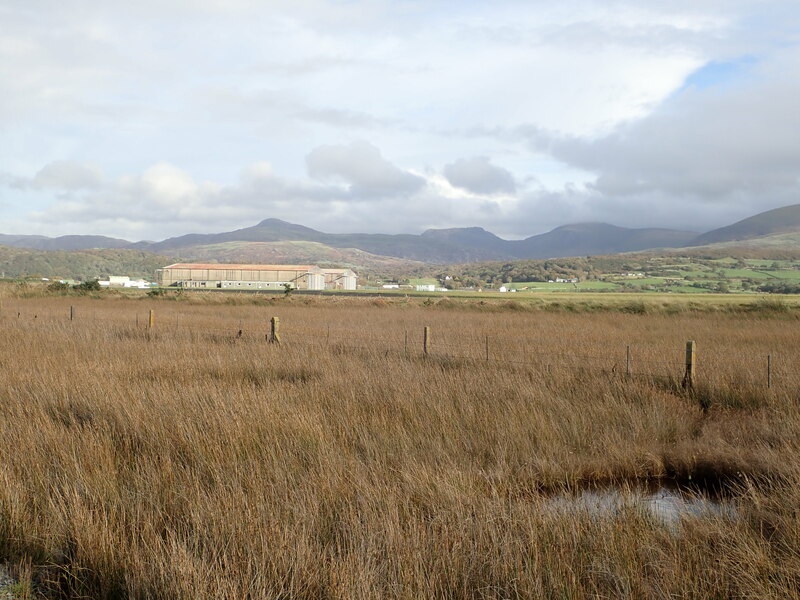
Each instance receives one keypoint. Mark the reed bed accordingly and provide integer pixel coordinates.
(196, 460)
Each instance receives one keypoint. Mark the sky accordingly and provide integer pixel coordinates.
(149, 119)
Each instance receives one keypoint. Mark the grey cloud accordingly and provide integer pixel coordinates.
(61, 176)
(699, 144)
(265, 103)
(69, 175)
(362, 167)
(342, 118)
(478, 175)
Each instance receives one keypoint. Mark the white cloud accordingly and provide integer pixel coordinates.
(362, 167)
(480, 176)
(702, 144)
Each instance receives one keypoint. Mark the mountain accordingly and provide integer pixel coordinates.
(779, 220)
(65, 242)
(280, 241)
(428, 247)
(269, 230)
(598, 238)
(456, 245)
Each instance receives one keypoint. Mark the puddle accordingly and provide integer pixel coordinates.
(666, 502)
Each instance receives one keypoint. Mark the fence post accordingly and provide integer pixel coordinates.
(691, 359)
(152, 321)
(769, 370)
(627, 361)
(426, 340)
(487, 348)
(71, 313)
(274, 333)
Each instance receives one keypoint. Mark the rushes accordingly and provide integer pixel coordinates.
(171, 464)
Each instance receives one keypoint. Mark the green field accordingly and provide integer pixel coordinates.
(542, 286)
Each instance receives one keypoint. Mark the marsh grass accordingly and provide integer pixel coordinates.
(190, 462)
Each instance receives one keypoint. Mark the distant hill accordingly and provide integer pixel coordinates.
(65, 242)
(275, 240)
(598, 238)
(442, 246)
(300, 253)
(780, 220)
(79, 264)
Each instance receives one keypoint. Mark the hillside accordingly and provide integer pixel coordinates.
(64, 242)
(779, 220)
(443, 246)
(79, 264)
(295, 252)
(279, 241)
(598, 238)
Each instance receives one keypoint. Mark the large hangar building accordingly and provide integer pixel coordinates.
(255, 277)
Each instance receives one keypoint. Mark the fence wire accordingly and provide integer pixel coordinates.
(632, 361)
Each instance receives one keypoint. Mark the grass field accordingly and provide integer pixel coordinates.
(196, 460)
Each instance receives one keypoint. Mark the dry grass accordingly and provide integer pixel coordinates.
(187, 462)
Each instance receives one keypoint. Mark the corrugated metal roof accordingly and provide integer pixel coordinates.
(241, 267)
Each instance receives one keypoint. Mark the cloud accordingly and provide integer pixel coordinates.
(616, 109)
(731, 140)
(478, 175)
(165, 200)
(363, 168)
(62, 176)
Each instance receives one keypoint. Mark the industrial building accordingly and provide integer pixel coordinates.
(255, 277)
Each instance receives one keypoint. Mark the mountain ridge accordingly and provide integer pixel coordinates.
(437, 246)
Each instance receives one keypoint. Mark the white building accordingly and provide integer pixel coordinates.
(124, 281)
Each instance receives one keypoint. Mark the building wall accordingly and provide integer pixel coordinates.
(198, 276)
(173, 275)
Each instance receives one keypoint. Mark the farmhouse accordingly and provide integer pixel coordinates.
(255, 277)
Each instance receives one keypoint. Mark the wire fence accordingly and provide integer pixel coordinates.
(544, 353)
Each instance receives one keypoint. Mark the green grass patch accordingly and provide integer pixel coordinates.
(788, 274)
(544, 286)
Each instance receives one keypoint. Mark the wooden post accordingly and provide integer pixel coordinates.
(487, 348)
(405, 343)
(71, 313)
(691, 359)
(151, 323)
(769, 370)
(274, 333)
(426, 340)
(627, 361)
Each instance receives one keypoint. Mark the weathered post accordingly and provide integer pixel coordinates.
(71, 313)
(691, 359)
(151, 323)
(769, 370)
(487, 348)
(627, 361)
(426, 340)
(274, 333)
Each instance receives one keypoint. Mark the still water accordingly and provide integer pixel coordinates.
(666, 502)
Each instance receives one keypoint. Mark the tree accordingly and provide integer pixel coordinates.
(88, 286)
